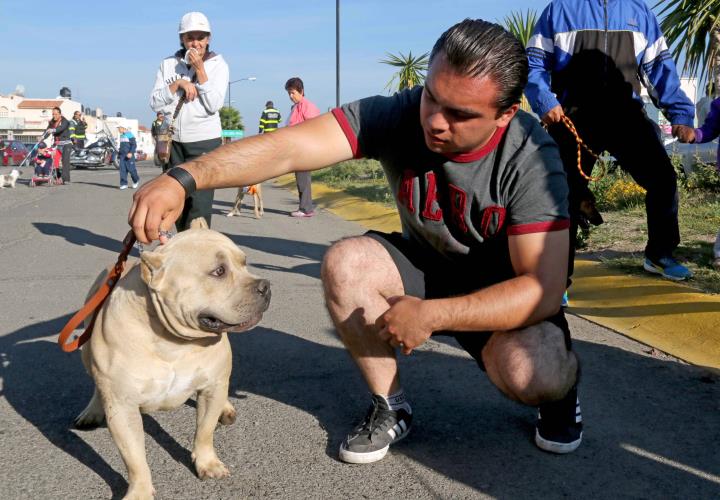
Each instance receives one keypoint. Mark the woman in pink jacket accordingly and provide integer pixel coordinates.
(302, 110)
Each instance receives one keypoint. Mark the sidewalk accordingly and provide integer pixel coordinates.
(668, 316)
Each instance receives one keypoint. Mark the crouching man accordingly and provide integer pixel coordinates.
(482, 196)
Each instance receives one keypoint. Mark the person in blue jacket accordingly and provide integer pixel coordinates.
(126, 154)
(588, 59)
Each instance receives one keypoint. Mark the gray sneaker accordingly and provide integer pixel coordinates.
(370, 440)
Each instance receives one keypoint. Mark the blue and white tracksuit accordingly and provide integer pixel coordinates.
(591, 56)
(128, 144)
(627, 36)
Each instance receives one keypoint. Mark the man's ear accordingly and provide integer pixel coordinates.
(504, 118)
(199, 223)
(151, 268)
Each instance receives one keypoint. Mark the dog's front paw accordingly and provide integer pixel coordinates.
(211, 468)
(228, 414)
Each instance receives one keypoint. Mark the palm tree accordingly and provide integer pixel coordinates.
(692, 29)
(230, 119)
(412, 70)
(522, 26)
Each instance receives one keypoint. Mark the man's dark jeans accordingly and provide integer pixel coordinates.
(631, 138)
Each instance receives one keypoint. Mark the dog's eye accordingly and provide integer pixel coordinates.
(219, 271)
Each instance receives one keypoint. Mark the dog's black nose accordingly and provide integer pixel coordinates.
(263, 287)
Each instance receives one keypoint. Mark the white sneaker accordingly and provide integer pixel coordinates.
(123, 186)
(135, 184)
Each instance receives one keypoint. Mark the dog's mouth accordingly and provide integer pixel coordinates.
(215, 325)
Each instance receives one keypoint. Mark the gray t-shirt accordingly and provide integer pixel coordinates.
(461, 209)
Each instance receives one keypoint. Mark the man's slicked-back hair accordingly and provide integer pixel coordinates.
(478, 48)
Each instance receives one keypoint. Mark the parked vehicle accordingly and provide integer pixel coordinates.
(140, 155)
(13, 152)
(98, 154)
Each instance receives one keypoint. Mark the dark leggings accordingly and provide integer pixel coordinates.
(632, 139)
(199, 204)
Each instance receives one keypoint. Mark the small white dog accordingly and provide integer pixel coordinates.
(9, 179)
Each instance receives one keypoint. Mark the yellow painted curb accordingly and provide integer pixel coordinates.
(352, 208)
(671, 317)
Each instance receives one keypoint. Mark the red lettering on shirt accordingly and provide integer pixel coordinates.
(405, 193)
(431, 197)
(458, 201)
(493, 218)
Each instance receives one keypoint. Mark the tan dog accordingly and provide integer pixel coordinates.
(256, 192)
(161, 338)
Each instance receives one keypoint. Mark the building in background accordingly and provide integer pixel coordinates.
(26, 119)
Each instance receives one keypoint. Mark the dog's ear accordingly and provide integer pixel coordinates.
(151, 267)
(199, 223)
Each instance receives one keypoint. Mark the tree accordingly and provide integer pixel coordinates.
(692, 29)
(412, 70)
(522, 26)
(230, 119)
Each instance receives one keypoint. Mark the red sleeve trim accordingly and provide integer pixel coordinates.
(539, 227)
(348, 131)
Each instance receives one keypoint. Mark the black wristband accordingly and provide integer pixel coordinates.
(186, 180)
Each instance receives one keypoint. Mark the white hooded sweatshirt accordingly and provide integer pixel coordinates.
(199, 119)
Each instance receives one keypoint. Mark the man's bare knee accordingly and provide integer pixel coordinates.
(358, 275)
(531, 365)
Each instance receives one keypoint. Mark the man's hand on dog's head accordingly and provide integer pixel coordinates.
(155, 208)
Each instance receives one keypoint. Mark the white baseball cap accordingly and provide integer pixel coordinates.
(194, 21)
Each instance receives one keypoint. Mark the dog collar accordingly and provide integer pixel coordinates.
(167, 234)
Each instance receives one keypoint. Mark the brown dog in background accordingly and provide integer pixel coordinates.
(256, 191)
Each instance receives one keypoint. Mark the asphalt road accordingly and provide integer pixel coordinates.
(652, 424)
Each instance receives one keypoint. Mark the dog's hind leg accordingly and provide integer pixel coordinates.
(211, 403)
(93, 415)
(259, 210)
(238, 202)
(228, 414)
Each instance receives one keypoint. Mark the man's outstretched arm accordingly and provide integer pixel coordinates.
(311, 145)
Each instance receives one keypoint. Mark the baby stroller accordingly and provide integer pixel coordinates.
(53, 176)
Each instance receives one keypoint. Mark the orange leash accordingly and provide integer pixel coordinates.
(93, 305)
(580, 145)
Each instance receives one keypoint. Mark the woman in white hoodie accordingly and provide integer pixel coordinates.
(198, 78)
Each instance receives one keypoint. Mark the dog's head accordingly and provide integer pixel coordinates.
(200, 285)
(14, 174)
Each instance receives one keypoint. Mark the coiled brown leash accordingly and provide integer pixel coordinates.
(94, 303)
(580, 146)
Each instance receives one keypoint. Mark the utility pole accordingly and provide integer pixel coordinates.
(249, 78)
(337, 53)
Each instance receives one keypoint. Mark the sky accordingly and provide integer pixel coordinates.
(108, 53)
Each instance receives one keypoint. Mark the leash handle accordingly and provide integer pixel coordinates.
(94, 303)
(580, 146)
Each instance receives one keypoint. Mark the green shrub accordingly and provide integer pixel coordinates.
(616, 189)
(352, 170)
(704, 176)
